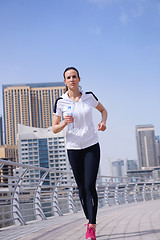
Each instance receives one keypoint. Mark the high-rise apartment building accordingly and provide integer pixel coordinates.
(1, 131)
(9, 153)
(28, 104)
(42, 148)
(146, 147)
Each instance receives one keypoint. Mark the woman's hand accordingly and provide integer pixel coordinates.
(68, 119)
(102, 126)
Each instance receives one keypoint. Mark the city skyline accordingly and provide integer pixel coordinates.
(28, 104)
(115, 46)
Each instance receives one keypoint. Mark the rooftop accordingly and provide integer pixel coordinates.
(35, 85)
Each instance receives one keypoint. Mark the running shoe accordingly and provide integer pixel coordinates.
(87, 230)
(91, 233)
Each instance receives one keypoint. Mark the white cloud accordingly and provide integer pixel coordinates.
(138, 8)
(124, 18)
(134, 9)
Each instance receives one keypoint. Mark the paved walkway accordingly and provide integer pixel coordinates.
(136, 221)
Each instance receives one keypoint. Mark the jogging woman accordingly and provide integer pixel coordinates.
(81, 141)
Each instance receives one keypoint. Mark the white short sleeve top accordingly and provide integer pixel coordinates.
(83, 134)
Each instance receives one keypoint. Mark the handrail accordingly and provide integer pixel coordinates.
(29, 166)
(24, 198)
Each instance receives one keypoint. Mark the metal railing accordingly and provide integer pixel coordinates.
(25, 197)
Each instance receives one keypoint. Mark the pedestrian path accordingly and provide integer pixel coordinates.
(135, 221)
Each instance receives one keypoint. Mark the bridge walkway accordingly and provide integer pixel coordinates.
(133, 221)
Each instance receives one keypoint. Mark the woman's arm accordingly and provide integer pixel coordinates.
(104, 114)
(58, 125)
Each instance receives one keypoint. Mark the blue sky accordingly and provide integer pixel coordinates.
(115, 44)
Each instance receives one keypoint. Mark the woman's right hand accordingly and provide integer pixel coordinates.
(68, 119)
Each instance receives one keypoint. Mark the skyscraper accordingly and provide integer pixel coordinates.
(1, 131)
(28, 104)
(146, 147)
(158, 149)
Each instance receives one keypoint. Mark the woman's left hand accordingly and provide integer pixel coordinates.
(102, 126)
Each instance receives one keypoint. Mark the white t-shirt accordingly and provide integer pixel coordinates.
(83, 134)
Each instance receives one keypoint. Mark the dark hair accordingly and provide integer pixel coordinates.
(70, 68)
(67, 69)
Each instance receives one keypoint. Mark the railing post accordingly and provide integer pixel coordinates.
(144, 191)
(116, 194)
(106, 191)
(71, 206)
(135, 192)
(56, 209)
(152, 195)
(126, 192)
(97, 183)
(37, 202)
(1, 166)
(18, 218)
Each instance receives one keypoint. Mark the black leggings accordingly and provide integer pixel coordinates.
(85, 164)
